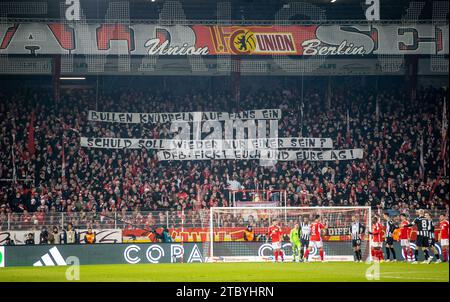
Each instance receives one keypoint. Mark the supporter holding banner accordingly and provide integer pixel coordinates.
(281, 155)
(102, 235)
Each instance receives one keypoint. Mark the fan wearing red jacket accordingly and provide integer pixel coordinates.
(405, 235)
(275, 232)
(377, 240)
(315, 239)
(443, 236)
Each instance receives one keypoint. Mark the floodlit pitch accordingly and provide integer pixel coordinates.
(241, 272)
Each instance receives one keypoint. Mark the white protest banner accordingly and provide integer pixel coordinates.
(219, 144)
(150, 118)
(281, 155)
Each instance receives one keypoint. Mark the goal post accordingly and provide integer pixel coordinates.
(228, 242)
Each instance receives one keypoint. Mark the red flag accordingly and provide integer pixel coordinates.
(434, 187)
(443, 150)
(444, 119)
(31, 146)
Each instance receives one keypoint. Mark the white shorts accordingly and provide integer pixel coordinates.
(444, 242)
(377, 244)
(317, 244)
(404, 242)
(276, 245)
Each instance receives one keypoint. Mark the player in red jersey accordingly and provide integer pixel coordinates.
(405, 235)
(443, 237)
(276, 233)
(315, 239)
(377, 239)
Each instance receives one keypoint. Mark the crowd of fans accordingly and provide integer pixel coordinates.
(65, 235)
(37, 180)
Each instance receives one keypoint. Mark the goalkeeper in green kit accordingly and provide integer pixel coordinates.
(295, 241)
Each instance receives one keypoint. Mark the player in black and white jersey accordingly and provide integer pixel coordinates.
(422, 241)
(357, 230)
(305, 229)
(431, 239)
(389, 240)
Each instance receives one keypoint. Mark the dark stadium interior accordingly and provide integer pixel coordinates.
(387, 178)
(243, 10)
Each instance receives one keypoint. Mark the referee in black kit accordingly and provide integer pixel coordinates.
(422, 240)
(390, 228)
(357, 230)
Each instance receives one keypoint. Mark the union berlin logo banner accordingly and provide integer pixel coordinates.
(153, 39)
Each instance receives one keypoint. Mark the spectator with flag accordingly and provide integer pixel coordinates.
(294, 237)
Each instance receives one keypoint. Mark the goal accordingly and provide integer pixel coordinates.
(228, 242)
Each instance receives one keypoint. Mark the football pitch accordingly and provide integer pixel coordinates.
(238, 272)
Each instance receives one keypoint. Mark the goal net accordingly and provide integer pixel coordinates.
(230, 241)
(258, 198)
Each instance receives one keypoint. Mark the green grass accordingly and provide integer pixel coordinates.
(296, 272)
